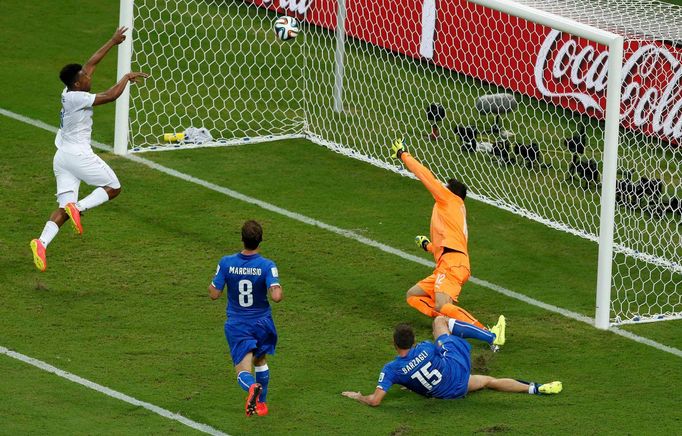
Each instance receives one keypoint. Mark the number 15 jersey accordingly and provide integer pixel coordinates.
(247, 279)
(434, 370)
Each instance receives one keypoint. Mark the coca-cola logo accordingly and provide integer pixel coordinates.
(651, 97)
(296, 6)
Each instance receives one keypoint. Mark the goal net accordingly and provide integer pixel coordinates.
(214, 65)
(512, 108)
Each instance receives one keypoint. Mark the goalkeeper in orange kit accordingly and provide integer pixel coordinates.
(439, 293)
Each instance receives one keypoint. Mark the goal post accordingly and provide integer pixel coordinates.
(608, 193)
(125, 51)
(614, 43)
(339, 54)
(568, 113)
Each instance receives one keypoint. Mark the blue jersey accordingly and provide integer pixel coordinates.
(247, 279)
(434, 370)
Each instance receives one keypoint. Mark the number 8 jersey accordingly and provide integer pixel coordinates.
(247, 279)
(440, 371)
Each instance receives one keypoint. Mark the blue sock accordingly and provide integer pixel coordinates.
(263, 377)
(245, 380)
(466, 330)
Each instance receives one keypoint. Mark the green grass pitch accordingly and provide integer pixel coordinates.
(126, 305)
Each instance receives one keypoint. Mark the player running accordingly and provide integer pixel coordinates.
(249, 328)
(438, 293)
(74, 160)
(442, 369)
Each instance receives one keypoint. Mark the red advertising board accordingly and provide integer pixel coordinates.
(516, 54)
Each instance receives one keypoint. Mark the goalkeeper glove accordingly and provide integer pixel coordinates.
(422, 242)
(398, 148)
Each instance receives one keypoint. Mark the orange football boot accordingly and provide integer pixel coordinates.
(75, 215)
(252, 399)
(261, 408)
(39, 257)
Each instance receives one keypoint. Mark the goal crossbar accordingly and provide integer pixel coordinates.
(352, 82)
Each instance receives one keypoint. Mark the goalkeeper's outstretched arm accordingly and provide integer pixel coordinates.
(440, 193)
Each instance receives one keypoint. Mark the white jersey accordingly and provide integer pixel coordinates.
(75, 125)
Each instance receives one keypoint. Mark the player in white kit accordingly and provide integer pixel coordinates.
(74, 160)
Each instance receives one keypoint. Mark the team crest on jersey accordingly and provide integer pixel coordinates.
(274, 271)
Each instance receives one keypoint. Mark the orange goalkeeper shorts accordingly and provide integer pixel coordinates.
(452, 271)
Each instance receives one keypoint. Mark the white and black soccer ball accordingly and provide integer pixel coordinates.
(286, 28)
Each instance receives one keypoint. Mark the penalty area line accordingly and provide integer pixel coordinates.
(111, 393)
(355, 236)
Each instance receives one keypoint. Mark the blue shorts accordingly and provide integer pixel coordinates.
(457, 352)
(250, 335)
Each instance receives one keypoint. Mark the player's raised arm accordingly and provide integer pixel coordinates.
(115, 91)
(440, 193)
(371, 400)
(119, 37)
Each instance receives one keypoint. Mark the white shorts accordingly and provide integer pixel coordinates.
(70, 169)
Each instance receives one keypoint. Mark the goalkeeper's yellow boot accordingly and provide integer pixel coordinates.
(39, 256)
(499, 331)
(75, 215)
(550, 388)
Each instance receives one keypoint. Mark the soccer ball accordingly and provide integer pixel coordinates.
(286, 28)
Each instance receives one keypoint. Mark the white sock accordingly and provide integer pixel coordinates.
(96, 197)
(451, 324)
(532, 388)
(49, 232)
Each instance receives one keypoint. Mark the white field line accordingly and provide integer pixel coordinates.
(112, 393)
(351, 235)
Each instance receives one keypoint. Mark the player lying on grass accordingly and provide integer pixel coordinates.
(439, 293)
(442, 369)
(249, 329)
(74, 160)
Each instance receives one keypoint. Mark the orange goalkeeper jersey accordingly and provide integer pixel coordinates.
(448, 219)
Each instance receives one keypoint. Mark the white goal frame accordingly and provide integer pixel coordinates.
(615, 44)
(125, 56)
